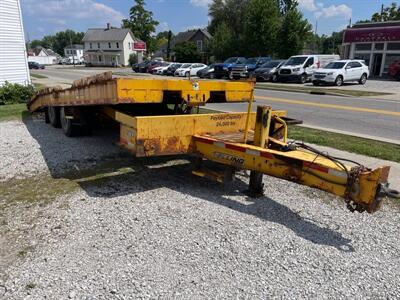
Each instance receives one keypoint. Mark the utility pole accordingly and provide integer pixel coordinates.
(169, 44)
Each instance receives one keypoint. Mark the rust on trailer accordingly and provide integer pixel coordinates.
(103, 89)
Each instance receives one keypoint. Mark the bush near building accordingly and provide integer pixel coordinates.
(12, 93)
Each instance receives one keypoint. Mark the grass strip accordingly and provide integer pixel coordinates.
(38, 76)
(12, 111)
(363, 146)
(302, 89)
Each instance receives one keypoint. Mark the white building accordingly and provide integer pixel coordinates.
(43, 56)
(13, 56)
(74, 53)
(111, 46)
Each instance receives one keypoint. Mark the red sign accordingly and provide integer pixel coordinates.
(139, 46)
(377, 34)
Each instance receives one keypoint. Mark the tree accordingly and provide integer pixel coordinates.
(389, 13)
(59, 41)
(262, 26)
(221, 42)
(142, 24)
(294, 32)
(186, 52)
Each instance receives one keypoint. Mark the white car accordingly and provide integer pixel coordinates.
(160, 70)
(339, 71)
(191, 69)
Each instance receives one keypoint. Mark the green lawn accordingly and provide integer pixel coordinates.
(38, 76)
(12, 111)
(348, 143)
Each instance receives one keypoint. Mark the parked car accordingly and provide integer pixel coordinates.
(340, 71)
(170, 71)
(140, 67)
(207, 72)
(394, 70)
(244, 70)
(159, 70)
(34, 65)
(268, 71)
(300, 68)
(223, 69)
(189, 69)
(154, 64)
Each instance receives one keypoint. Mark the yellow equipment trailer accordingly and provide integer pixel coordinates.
(161, 117)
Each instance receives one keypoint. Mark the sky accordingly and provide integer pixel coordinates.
(43, 17)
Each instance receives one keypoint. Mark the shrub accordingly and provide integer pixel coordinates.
(132, 59)
(11, 93)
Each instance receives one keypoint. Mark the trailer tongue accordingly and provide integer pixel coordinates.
(161, 117)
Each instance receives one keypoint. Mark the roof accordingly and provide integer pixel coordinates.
(376, 24)
(105, 34)
(74, 46)
(47, 52)
(186, 36)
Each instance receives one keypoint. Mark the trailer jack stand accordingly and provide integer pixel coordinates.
(256, 187)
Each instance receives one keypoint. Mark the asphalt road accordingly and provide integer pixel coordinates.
(376, 118)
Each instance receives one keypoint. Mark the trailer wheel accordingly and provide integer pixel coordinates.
(54, 116)
(46, 116)
(67, 125)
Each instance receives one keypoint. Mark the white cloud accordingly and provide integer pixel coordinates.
(334, 11)
(322, 11)
(163, 26)
(66, 11)
(307, 5)
(191, 27)
(203, 3)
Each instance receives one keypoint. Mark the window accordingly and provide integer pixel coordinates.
(117, 45)
(379, 46)
(363, 47)
(129, 45)
(393, 46)
(355, 64)
(98, 45)
(90, 45)
(99, 58)
(109, 45)
(390, 58)
(309, 62)
(200, 45)
(363, 56)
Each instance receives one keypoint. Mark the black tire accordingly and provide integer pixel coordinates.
(274, 78)
(46, 116)
(230, 76)
(211, 76)
(303, 78)
(339, 81)
(218, 76)
(54, 116)
(316, 83)
(363, 79)
(67, 125)
(187, 74)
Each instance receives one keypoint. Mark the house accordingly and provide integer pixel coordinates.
(111, 46)
(13, 56)
(200, 37)
(74, 53)
(378, 43)
(43, 56)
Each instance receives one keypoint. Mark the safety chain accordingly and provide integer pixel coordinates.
(352, 179)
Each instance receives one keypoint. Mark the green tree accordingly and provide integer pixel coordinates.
(262, 26)
(59, 41)
(389, 13)
(142, 24)
(186, 52)
(295, 31)
(221, 44)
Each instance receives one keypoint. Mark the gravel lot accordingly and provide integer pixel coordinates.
(155, 231)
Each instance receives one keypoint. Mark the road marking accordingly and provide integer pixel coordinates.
(335, 106)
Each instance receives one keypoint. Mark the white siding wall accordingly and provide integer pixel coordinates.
(13, 56)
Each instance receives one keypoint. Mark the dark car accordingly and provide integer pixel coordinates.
(244, 70)
(140, 67)
(268, 71)
(34, 65)
(170, 71)
(224, 69)
(207, 72)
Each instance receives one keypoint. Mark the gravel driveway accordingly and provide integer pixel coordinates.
(102, 225)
